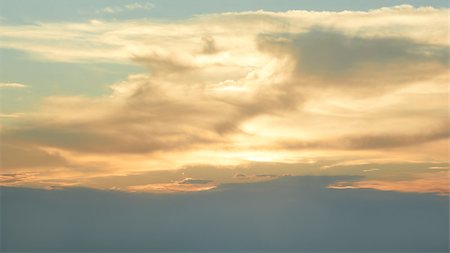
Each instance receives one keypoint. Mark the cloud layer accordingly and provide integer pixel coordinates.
(234, 87)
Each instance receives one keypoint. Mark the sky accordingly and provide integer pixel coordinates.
(188, 100)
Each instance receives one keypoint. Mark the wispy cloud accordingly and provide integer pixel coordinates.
(13, 85)
(185, 185)
(437, 182)
(11, 115)
(371, 170)
(125, 8)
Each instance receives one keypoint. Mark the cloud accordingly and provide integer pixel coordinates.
(335, 61)
(437, 182)
(233, 32)
(209, 45)
(370, 141)
(264, 171)
(233, 87)
(14, 178)
(371, 170)
(21, 156)
(13, 85)
(136, 6)
(151, 113)
(11, 115)
(195, 181)
(330, 53)
(395, 140)
(128, 7)
(185, 185)
(438, 168)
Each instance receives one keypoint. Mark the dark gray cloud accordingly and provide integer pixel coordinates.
(330, 53)
(295, 214)
(369, 141)
(394, 140)
(331, 59)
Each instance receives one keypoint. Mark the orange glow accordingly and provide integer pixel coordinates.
(424, 183)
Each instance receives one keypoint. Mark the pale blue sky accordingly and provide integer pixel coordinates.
(54, 78)
(30, 11)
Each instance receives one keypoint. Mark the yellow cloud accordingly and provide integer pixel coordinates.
(237, 87)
